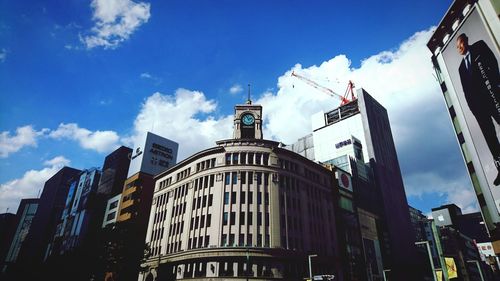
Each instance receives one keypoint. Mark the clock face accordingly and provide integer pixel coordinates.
(248, 119)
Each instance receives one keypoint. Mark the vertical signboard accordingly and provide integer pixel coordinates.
(471, 59)
(153, 155)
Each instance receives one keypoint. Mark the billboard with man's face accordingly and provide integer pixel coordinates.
(471, 58)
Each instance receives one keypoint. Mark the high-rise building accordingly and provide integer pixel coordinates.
(78, 212)
(24, 216)
(246, 208)
(114, 172)
(152, 155)
(357, 138)
(47, 217)
(465, 54)
(7, 228)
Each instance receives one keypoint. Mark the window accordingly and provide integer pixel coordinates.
(250, 177)
(242, 218)
(258, 158)
(207, 240)
(204, 201)
(235, 177)
(241, 240)
(111, 216)
(266, 198)
(226, 198)
(265, 160)
(242, 197)
(209, 220)
(235, 158)
(250, 197)
(250, 158)
(224, 240)
(249, 239)
(259, 178)
(259, 198)
(259, 218)
(196, 222)
(113, 205)
(243, 177)
(202, 221)
(243, 158)
(233, 218)
(210, 200)
(250, 218)
(233, 197)
(225, 218)
(231, 239)
(228, 158)
(266, 178)
(211, 180)
(227, 178)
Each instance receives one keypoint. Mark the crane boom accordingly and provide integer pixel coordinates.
(325, 89)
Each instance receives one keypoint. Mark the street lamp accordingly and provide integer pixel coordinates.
(430, 257)
(478, 268)
(310, 271)
(384, 271)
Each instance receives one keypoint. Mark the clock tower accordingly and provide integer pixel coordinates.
(248, 121)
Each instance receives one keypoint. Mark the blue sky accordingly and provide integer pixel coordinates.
(79, 78)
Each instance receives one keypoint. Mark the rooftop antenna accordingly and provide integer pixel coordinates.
(249, 101)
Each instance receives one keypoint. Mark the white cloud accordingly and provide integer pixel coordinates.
(146, 75)
(25, 136)
(402, 81)
(115, 21)
(29, 184)
(3, 55)
(453, 190)
(100, 141)
(235, 89)
(185, 117)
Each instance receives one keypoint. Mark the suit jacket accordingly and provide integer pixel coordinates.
(481, 81)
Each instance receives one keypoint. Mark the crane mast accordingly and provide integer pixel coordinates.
(344, 99)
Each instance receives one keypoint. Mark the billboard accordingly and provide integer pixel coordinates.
(153, 155)
(471, 59)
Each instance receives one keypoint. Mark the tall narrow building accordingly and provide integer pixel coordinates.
(357, 138)
(50, 207)
(466, 55)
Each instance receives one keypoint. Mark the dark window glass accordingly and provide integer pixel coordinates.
(226, 198)
(202, 221)
(250, 197)
(233, 218)
(209, 220)
(233, 197)
(250, 218)
(235, 177)
(227, 178)
(225, 218)
(242, 197)
(242, 218)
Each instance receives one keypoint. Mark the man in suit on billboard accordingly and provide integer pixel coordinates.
(480, 82)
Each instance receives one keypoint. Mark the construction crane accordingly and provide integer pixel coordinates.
(344, 99)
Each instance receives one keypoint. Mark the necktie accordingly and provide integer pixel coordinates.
(467, 61)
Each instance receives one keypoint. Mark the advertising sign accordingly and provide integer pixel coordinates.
(153, 155)
(344, 179)
(471, 58)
